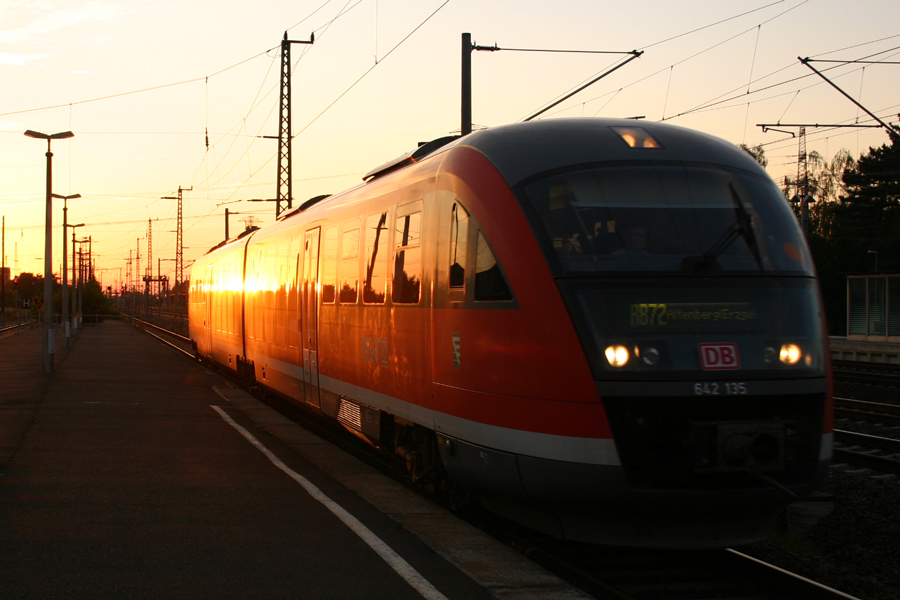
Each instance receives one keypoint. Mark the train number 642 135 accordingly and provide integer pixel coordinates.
(728, 388)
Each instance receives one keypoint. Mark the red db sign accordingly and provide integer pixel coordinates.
(715, 357)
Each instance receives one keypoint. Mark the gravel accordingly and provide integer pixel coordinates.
(855, 548)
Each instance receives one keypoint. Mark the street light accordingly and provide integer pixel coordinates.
(65, 284)
(47, 337)
(78, 293)
(65, 267)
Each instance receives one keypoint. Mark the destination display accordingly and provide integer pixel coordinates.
(692, 314)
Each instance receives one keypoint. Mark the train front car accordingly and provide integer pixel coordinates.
(691, 290)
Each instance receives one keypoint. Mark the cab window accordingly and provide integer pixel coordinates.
(459, 233)
(490, 285)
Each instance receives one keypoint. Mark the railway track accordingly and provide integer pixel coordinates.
(867, 451)
(861, 410)
(177, 341)
(641, 574)
(863, 450)
(862, 372)
(604, 572)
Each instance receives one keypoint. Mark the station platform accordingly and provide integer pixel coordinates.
(132, 471)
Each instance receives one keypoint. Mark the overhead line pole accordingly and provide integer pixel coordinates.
(802, 196)
(806, 62)
(285, 192)
(467, 47)
(770, 126)
(466, 73)
(634, 54)
(3, 276)
(179, 237)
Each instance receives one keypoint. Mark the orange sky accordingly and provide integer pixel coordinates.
(140, 82)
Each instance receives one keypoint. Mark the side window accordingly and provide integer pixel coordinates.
(270, 274)
(376, 259)
(489, 281)
(253, 292)
(407, 259)
(459, 231)
(329, 267)
(349, 265)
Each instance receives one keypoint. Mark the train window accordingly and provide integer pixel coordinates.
(489, 282)
(459, 232)
(253, 291)
(270, 274)
(375, 282)
(329, 266)
(407, 259)
(668, 217)
(349, 266)
(293, 307)
(281, 293)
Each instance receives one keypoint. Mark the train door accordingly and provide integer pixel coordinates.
(309, 313)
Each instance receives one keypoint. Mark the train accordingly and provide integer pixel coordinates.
(607, 330)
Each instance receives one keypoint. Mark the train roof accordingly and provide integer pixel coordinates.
(524, 149)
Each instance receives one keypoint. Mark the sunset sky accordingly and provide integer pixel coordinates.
(140, 82)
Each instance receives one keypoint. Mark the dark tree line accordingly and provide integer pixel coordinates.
(30, 286)
(854, 222)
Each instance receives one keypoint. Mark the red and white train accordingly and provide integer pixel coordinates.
(607, 330)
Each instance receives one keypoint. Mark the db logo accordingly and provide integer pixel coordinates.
(719, 356)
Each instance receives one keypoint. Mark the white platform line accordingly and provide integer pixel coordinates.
(403, 568)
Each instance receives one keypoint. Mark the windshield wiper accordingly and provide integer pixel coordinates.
(742, 227)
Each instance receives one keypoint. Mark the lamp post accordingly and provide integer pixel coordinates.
(47, 338)
(65, 269)
(74, 279)
(69, 325)
(78, 294)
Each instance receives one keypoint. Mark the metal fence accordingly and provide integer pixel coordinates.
(873, 308)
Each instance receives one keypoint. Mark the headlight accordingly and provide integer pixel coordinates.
(648, 354)
(617, 355)
(790, 354)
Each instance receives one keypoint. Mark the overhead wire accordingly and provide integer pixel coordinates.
(363, 76)
(668, 68)
(344, 93)
(718, 100)
(258, 100)
(140, 91)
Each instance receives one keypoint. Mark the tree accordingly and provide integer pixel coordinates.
(856, 209)
(757, 152)
(868, 217)
(95, 302)
(825, 185)
(30, 285)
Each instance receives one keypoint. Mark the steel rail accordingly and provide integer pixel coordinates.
(874, 412)
(876, 407)
(146, 327)
(865, 372)
(868, 441)
(805, 588)
(883, 464)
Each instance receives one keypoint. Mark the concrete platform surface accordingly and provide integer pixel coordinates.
(134, 472)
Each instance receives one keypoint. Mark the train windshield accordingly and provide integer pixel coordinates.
(690, 219)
